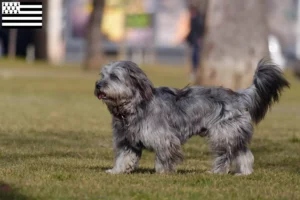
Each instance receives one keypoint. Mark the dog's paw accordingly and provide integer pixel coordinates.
(238, 174)
(110, 171)
(216, 172)
(242, 174)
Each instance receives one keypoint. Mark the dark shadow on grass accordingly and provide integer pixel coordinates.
(144, 171)
(179, 171)
(9, 193)
(152, 170)
(190, 171)
(137, 171)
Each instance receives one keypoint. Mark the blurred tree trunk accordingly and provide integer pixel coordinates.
(235, 40)
(40, 35)
(200, 4)
(12, 43)
(93, 51)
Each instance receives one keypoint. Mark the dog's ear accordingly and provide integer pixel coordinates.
(140, 81)
(145, 87)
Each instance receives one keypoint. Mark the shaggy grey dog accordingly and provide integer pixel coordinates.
(162, 119)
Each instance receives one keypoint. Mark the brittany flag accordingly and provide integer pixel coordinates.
(22, 15)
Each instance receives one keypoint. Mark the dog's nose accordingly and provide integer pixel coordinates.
(98, 85)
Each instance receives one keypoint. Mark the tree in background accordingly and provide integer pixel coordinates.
(235, 40)
(200, 4)
(12, 43)
(93, 49)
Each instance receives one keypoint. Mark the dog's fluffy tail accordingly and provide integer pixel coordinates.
(268, 82)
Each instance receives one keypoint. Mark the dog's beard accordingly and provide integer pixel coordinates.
(114, 96)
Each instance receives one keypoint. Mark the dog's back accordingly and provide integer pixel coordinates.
(267, 86)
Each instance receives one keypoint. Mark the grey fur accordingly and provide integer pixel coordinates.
(162, 119)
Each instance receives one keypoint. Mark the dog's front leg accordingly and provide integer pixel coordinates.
(167, 156)
(126, 160)
(164, 166)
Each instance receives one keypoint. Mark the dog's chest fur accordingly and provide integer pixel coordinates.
(129, 129)
(142, 129)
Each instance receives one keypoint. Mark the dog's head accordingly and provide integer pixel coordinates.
(122, 82)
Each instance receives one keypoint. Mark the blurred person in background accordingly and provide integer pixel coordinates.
(195, 39)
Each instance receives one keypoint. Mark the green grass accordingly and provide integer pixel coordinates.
(55, 143)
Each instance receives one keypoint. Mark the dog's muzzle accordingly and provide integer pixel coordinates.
(100, 94)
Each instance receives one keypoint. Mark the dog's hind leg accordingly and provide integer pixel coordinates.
(126, 160)
(244, 162)
(244, 158)
(221, 164)
(229, 139)
(221, 147)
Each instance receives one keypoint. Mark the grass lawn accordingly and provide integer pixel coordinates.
(55, 143)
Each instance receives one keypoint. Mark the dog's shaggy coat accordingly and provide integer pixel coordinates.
(162, 119)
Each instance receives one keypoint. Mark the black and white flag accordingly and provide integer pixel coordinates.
(22, 15)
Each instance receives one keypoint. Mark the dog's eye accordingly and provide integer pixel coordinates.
(114, 77)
